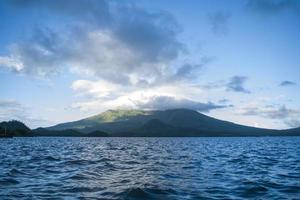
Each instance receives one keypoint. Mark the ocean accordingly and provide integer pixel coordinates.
(150, 168)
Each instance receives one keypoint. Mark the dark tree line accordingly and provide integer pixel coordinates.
(13, 128)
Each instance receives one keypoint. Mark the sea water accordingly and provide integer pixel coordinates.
(150, 168)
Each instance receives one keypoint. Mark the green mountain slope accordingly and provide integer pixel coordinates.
(174, 122)
(139, 123)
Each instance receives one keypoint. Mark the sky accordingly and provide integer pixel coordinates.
(64, 60)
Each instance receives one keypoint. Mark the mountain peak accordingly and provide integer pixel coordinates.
(170, 122)
(117, 114)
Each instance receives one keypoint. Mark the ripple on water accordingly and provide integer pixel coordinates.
(147, 193)
(8, 181)
(150, 168)
(15, 172)
(51, 158)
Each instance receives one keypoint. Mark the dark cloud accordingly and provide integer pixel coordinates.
(188, 70)
(287, 83)
(236, 84)
(96, 11)
(40, 56)
(219, 22)
(273, 7)
(122, 43)
(153, 35)
(168, 102)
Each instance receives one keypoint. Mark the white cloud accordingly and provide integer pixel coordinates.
(102, 96)
(11, 63)
(102, 88)
(168, 102)
(96, 89)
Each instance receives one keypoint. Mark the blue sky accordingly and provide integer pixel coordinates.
(234, 60)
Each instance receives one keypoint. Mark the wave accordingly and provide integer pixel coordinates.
(147, 193)
(8, 181)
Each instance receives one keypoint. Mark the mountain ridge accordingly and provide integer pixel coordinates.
(146, 123)
(183, 122)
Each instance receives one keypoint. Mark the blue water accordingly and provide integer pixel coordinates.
(150, 168)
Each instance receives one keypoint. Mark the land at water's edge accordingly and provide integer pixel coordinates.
(139, 123)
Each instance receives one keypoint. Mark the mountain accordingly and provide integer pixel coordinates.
(140, 123)
(291, 132)
(14, 128)
(66, 133)
(108, 121)
(155, 128)
(169, 123)
(19, 129)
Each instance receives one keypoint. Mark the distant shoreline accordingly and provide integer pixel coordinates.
(150, 136)
(140, 123)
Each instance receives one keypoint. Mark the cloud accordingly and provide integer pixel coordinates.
(96, 11)
(269, 112)
(128, 53)
(236, 84)
(95, 89)
(99, 96)
(11, 63)
(287, 83)
(121, 43)
(186, 70)
(288, 115)
(189, 71)
(10, 106)
(273, 7)
(148, 102)
(39, 56)
(293, 123)
(13, 110)
(168, 102)
(219, 22)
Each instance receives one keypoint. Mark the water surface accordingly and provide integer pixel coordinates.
(150, 168)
